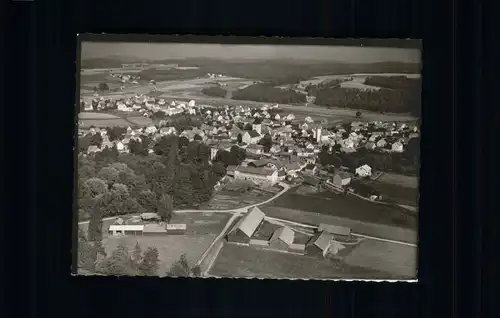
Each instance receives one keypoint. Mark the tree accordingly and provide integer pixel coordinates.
(116, 133)
(219, 169)
(266, 142)
(197, 137)
(248, 127)
(103, 87)
(358, 114)
(147, 200)
(109, 174)
(86, 254)
(239, 138)
(196, 271)
(137, 148)
(150, 262)
(137, 255)
(180, 268)
(95, 224)
(94, 187)
(119, 263)
(165, 207)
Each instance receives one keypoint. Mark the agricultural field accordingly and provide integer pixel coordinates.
(92, 115)
(140, 120)
(398, 259)
(396, 193)
(348, 207)
(103, 123)
(236, 195)
(361, 227)
(170, 248)
(399, 179)
(202, 223)
(244, 261)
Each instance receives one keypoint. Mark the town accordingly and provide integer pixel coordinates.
(173, 186)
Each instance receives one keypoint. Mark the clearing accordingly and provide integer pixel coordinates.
(140, 120)
(244, 261)
(361, 227)
(347, 206)
(103, 123)
(92, 115)
(398, 259)
(399, 179)
(198, 223)
(396, 193)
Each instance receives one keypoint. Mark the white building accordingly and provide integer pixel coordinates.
(397, 147)
(364, 171)
(251, 137)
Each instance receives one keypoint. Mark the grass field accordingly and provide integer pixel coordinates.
(347, 207)
(170, 248)
(102, 123)
(396, 193)
(399, 179)
(140, 120)
(92, 115)
(362, 227)
(243, 261)
(202, 223)
(397, 259)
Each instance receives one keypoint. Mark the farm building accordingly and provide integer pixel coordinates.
(124, 229)
(173, 229)
(150, 217)
(251, 137)
(154, 229)
(245, 228)
(310, 180)
(259, 175)
(319, 244)
(282, 238)
(297, 247)
(334, 229)
(341, 179)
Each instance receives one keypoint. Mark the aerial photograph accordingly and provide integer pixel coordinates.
(276, 161)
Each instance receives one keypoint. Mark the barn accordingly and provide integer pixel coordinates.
(176, 229)
(243, 230)
(282, 238)
(319, 244)
(154, 230)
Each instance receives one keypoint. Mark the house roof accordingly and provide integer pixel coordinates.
(334, 229)
(343, 174)
(324, 240)
(253, 133)
(310, 179)
(259, 163)
(365, 167)
(249, 223)
(149, 215)
(292, 166)
(126, 227)
(256, 171)
(284, 234)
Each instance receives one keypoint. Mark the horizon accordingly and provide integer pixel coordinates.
(179, 51)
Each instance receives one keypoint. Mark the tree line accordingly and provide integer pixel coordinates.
(214, 91)
(266, 92)
(397, 95)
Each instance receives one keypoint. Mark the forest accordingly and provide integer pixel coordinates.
(265, 92)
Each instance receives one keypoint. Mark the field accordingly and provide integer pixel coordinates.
(396, 193)
(243, 261)
(395, 258)
(398, 179)
(347, 207)
(103, 123)
(361, 227)
(91, 115)
(202, 223)
(170, 248)
(140, 120)
(235, 196)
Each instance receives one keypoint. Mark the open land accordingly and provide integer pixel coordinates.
(398, 179)
(396, 193)
(346, 207)
(244, 261)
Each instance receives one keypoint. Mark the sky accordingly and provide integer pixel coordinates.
(158, 51)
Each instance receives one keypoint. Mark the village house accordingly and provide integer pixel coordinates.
(370, 145)
(244, 229)
(319, 244)
(255, 149)
(364, 171)
(251, 137)
(341, 179)
(258, 175)
(338, 231)
(397, 147)
(381, 143)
